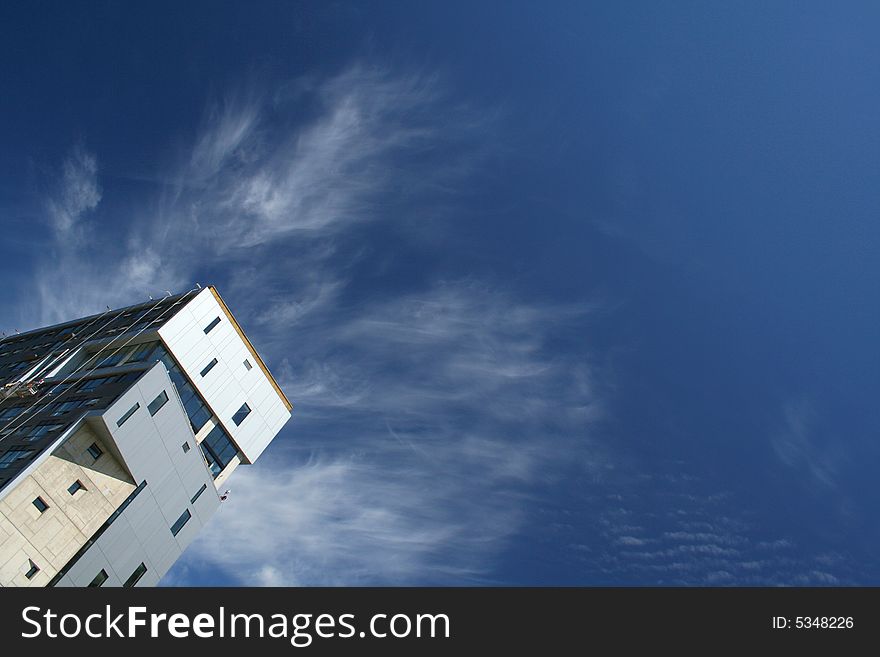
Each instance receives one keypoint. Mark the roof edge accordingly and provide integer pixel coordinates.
(250, 347)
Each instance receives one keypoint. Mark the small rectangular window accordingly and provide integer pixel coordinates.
(210, 326)
(247, 365)
(128, 414)
(100, 578)
(241, 414)
(199, 493)
(209, 367)
(180, 522)
(95, 451)
(41, 505)
(185, 447)
(33, 570)
(157, 403)
(75, 487)
(135, 576)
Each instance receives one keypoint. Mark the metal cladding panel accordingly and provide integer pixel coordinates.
(229, 384)
(151, 448)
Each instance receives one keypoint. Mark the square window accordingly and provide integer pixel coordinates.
(75, 487)
(241, 414)
(95, 451)
(157, 403)
(135, 577)
(34, 569)
(247, 365)
(185, 447)
(41, 505)
(100, 578)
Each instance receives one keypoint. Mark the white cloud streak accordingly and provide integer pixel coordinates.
(78, 193)
(422, 419)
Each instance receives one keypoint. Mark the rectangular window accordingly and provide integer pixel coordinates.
(100, 578)
(95, 451)
(38, 431)
(135, 576)
(127, 415)
(241, 414)
(180, 522)
(13, 455)
(157, 403)
(185, 447)
(33, 570)
(142, 351)
(247, 365)
(91, 384)
(75, 487)
(11, 412)
(41, 505)
(210, 326)
(62, 407)
(199, 493)
(209, 366)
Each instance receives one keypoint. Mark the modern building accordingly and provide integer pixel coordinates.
(118, 433)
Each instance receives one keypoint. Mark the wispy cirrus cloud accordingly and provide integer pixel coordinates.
(77, 194)
(422, 424)
(799, 447)
(423, 417)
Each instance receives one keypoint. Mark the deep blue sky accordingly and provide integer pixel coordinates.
(573, 294)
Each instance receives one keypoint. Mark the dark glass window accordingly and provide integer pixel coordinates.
(142, 352)
(209, 366)
(100, 578)
(199, 493)
(95, 451)
(13, 455)
(157, 403)
(11, 412)
(41, 505)
(210, 326)
(247, 365)
(185, 447)
(33, 570)
(241, 414)
(112, 359)
(75, 487)
(218, 449)
(38, 431)
(180, 522)
(199, 418)
(135, 576)
(91, 384)
(127, 415)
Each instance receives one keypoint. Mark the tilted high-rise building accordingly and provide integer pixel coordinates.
(117, 435)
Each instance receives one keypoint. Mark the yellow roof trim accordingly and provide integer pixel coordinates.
(250, 347)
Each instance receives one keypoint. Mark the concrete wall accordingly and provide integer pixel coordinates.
(152, 449)
(52, 537)
(229, 384)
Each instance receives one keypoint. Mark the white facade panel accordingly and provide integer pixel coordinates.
(229, 384)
